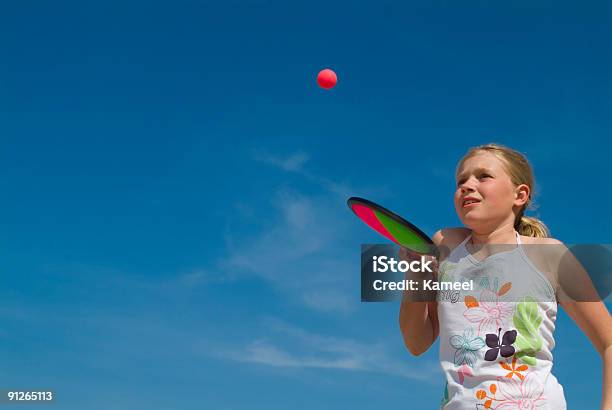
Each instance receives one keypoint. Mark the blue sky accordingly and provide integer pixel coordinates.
(174, 227)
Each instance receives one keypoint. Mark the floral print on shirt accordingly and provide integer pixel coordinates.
(510, 334)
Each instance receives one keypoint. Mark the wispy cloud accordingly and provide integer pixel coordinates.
(293, 162)
(303, 252)
(296, 162)
(312, 350)
(264, 353)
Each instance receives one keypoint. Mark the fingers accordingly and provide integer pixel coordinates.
(409, 254)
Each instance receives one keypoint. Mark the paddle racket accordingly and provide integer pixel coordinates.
(392, 226)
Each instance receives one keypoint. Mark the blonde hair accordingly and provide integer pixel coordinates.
(520, 172)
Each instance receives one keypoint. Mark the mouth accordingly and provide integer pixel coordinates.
(469, 202)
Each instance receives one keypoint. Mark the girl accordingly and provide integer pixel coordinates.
(496, 340)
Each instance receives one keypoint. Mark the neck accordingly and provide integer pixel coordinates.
(501, 234)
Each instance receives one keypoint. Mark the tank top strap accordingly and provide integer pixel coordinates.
(518, 239)
(462, 246)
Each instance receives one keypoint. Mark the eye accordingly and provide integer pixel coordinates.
(460, 182)
(483, 176)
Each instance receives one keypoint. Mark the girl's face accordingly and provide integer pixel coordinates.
(485, 195)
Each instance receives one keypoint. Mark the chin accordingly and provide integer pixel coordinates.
(472, 222)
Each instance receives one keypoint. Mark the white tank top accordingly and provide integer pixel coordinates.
(496, 340)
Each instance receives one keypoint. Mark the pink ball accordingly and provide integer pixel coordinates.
(327, 79)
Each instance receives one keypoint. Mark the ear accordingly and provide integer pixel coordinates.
(522, 194)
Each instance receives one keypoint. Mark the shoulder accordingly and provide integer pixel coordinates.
(450, 237)
(549, 249)
(547, 255)
(571, 280)
(447, 239)
(530, 240)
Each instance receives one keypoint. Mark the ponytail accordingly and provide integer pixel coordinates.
(528, 226)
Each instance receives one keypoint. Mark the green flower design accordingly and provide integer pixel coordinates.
(527, 321)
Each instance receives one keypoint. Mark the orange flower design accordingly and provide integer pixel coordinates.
(513, 369)
(482, 394)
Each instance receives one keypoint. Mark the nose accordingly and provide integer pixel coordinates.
(465, 190)
(467, 186)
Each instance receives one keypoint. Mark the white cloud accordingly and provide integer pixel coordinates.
(311, 350)
(304, 249)
(303, 253)
(264, 353)
(293, 162)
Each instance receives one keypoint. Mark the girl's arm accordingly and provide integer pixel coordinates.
(579, 298)
(418, 317)
(595, 321)
(418, 320)
(419, 325)
(607, 379)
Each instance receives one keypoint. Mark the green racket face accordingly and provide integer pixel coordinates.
(391, 226)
